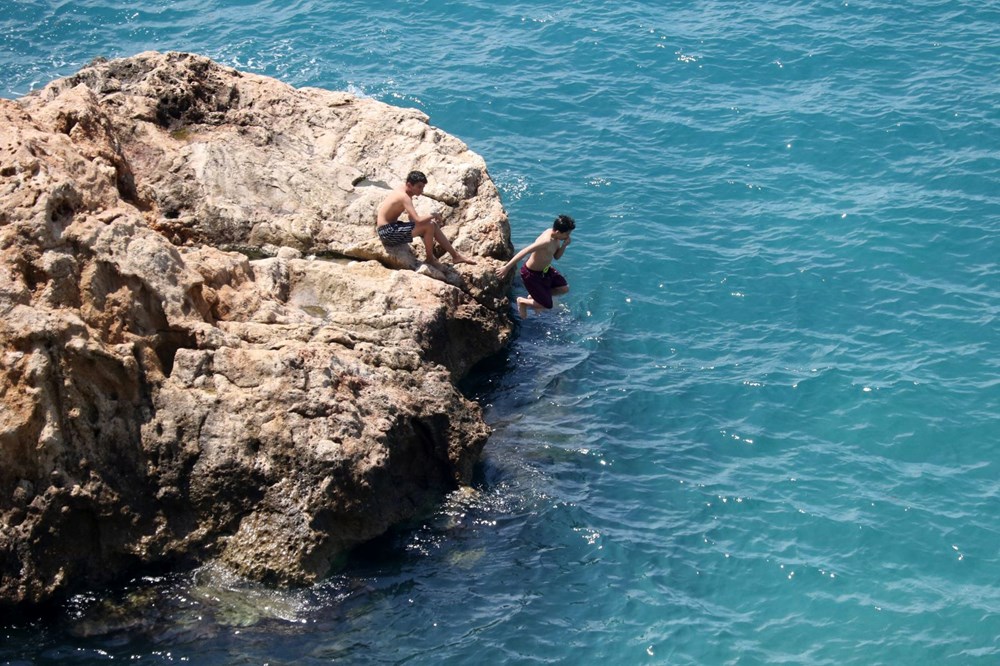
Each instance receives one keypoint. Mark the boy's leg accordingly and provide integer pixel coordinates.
(425, 231)
(430, 232)
(557, 283)
(524, 303)
(443, 241)
(522, 306)
(538, 289)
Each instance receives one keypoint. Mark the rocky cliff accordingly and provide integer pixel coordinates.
(165, 399)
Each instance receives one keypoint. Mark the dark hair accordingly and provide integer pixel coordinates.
(415, 177)
(564, 223)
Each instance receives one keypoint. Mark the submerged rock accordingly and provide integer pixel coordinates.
(167, 401)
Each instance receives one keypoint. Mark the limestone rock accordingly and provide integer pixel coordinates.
(164, 399)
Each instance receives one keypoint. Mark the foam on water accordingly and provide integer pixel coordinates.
(762, 425)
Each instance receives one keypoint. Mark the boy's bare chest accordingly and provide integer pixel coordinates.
(552, 246)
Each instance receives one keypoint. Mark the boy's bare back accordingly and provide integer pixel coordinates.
(393, 206)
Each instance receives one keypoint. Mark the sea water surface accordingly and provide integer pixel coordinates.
(763, 425)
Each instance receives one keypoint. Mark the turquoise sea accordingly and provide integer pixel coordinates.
(764, 425)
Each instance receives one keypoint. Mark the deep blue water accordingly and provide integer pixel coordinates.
(763, 425)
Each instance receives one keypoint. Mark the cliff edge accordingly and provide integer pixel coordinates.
(165, 399)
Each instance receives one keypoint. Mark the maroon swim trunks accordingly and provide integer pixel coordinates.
(541, 283)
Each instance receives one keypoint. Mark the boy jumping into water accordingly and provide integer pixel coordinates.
(540, 279)
(393, 232)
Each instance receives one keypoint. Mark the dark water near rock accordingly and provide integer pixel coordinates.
(761, 428)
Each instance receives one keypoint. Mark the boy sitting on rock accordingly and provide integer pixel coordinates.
(394, 232)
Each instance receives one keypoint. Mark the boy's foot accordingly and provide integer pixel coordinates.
(522, 308)
(461, 259)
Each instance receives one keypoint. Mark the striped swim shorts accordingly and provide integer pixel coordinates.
(396, 233)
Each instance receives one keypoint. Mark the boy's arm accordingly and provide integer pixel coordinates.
(412, 213)
(562, 248)
(502, 270)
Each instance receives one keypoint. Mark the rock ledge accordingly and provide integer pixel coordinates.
(166, 400)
